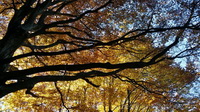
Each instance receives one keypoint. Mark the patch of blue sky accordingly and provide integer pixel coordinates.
(193, 89)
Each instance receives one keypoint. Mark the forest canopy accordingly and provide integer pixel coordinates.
(99, 55)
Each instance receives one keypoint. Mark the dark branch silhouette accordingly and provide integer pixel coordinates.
(30, 20)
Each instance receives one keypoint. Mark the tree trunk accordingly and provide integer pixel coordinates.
(13, 39)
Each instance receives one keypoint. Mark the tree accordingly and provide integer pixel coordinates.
(68, 40)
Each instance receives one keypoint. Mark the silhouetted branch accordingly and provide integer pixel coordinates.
(24, 73)
(60, 41)
(114, 42)
(138, 83)
(31, 81)
(89, 82)
(61, 95)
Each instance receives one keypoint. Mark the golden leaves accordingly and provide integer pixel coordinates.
(142, 87)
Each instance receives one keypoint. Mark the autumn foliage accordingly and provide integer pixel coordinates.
(99, 55)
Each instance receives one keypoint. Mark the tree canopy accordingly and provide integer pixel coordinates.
(99, 55)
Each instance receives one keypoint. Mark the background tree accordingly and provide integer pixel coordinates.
(135, 43)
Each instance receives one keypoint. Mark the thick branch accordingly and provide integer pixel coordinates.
(30, 82)
(24, 73)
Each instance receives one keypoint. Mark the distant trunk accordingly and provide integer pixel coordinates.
(129, 100)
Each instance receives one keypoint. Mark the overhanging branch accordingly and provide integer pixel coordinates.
(31, 81)
(23, 73)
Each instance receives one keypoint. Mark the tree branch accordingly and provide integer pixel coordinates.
(163, 52)
(114, 42)
(60, 41)
(61, 95)
(31, 81)
(23, 73)
(54, 24)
